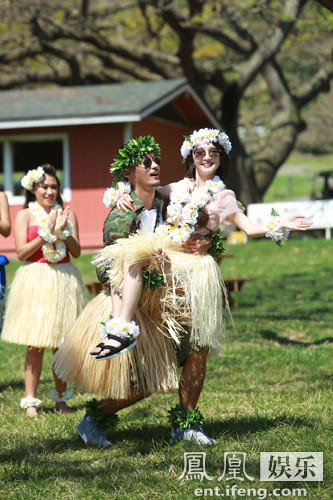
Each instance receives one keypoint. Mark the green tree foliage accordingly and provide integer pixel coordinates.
(257, 64)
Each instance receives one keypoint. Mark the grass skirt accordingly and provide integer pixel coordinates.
(150, 366)
(43, 303)
(195, 293)
(193, 297)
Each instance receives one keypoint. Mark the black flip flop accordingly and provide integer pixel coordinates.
(125, 344)
(94, 354)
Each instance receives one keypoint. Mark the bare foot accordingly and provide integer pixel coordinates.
(61, 407)
(111, 342)
(97, 349)
(31, 411)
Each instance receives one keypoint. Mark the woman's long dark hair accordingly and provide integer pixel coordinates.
(49, 170)
(222, 171)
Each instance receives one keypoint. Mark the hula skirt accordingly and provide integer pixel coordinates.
(44, 302)
(150, 366)
(193, 297)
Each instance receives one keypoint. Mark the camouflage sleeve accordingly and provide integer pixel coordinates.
(118, 224)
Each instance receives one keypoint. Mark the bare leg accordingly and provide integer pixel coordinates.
(116, 301)
(32, 371)
(124, 307)
(190, 387)
(60, 386)
(192, 379)
(111, 406)
(132, 288)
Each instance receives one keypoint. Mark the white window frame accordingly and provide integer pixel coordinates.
(8, 162)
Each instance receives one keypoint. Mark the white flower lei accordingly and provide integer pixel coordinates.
(205, 136)
(183, 208)
(112, 194)
(31, 177)
(50, 253)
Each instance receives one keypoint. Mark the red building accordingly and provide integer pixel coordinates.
(78, 129)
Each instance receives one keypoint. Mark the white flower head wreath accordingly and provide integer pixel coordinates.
(31, 177)
(205, 136)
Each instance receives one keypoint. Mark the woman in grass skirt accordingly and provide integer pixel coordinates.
(47, 293)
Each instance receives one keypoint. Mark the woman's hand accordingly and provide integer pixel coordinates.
(125, 202)
(52, 219)
(296, 223)
(63, 218)
(213, 220)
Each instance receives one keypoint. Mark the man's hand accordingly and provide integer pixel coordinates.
(197, 245)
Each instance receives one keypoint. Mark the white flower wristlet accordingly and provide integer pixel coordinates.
(112, 194)
(273, 229)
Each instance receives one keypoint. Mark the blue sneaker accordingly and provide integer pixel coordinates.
(92, 435)
(194, 434)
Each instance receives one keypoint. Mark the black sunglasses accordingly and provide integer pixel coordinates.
(148, 161)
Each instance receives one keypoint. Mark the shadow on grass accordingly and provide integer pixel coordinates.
(143, 440)
(44, 382)
(269, 335)
(71, 408)
(12, 384)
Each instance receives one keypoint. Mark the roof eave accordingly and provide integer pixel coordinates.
(61, 122)
(185, 87)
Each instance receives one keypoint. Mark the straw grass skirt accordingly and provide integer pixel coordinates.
(43, 304)
(150, 366)
(195, 295)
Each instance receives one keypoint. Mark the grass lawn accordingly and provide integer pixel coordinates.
(269, 390)
(295, 179)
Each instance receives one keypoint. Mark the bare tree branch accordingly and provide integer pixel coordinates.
(319, 83)
(286, 125)
(268, 50)
(328, 4)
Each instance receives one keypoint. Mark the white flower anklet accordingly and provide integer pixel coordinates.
(120, 328)
(65, 396)
(29, 401)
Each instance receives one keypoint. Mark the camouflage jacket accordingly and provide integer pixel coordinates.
(120, 224)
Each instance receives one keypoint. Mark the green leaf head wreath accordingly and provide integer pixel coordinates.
(131, 154)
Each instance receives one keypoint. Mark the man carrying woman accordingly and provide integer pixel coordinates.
(187, 311)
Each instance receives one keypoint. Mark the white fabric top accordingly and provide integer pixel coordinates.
(148, 220)
(224, 203)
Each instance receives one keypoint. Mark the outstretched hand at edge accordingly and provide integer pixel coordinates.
(296, 223)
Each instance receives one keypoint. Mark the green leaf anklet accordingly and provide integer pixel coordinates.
(184, 418)
(96, 415)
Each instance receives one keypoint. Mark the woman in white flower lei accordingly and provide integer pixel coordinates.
(47, 293)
